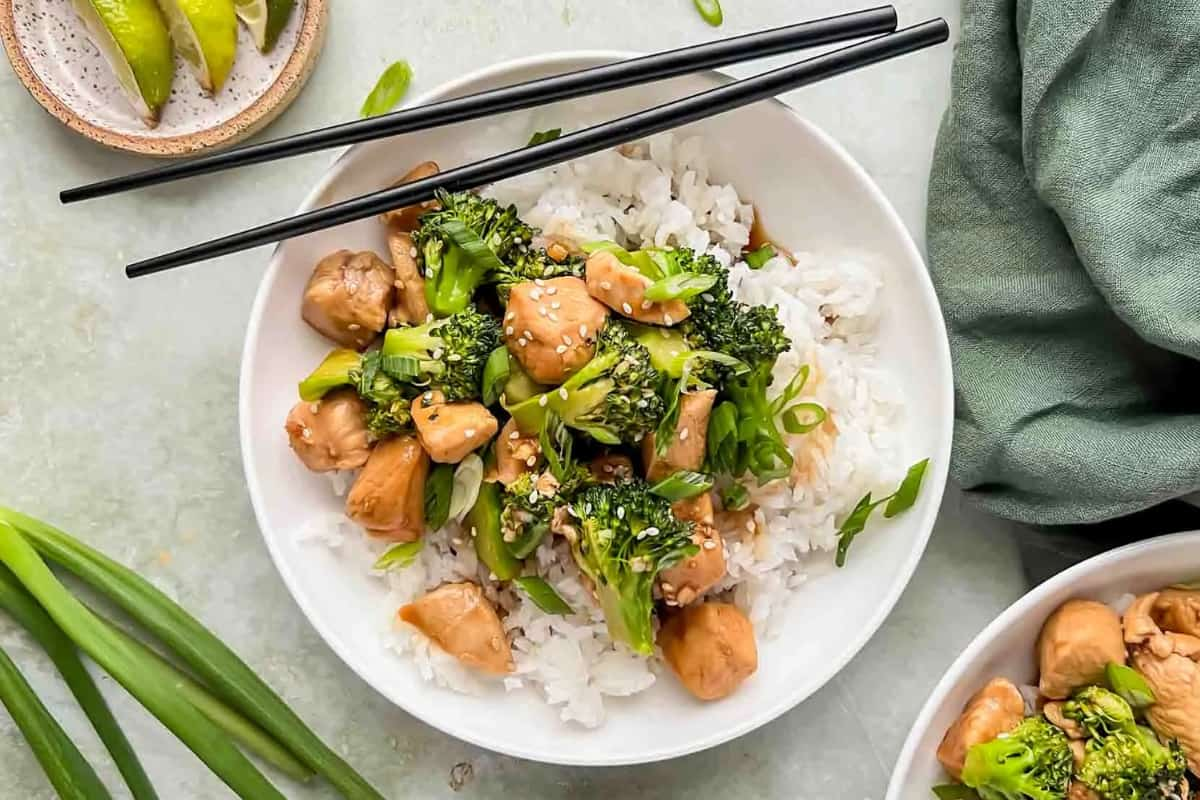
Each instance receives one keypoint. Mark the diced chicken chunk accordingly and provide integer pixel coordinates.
(516, 453)
(463, 623)
(1075, 645)
(611, 468)
(388, 498)
(450, 431)
(695, 575)
(710, 647)
(551, 327)
(331, 433)
(405, 219)
(623, 289)
(697, 509)
(1178, 611)
(686, 450)
(348, 297)
(410, 306)
(995, 709)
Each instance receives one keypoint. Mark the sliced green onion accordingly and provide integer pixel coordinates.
(467, 478)
(664, 431)
(852, 526)
(906, 495)
(405, 368)
(474, 249)
(954, 791)
(332, 372)
(650, 263)
(681, 286)
(803, 417)
(399, 556)
(541, 137)
(69, 772)
(21, 606)
(543, 595)
(228, 676)
(495, 375)
(735, 497)
(682, 362)
(556, 444)
(388, 91)
(484, 522)
(439, 487)
(757, 259)
(792, 390)
(722, 445)
(710, 11)
(1130, 685)
(682, 485)
(131, 668)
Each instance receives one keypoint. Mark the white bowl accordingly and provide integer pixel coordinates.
(813, 196)
(1005, 648)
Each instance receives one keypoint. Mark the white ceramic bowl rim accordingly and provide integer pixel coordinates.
(1011, 615)
(934, 483)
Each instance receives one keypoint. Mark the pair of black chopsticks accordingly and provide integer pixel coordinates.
(890, 44)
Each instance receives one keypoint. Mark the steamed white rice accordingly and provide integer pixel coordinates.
(660, 193)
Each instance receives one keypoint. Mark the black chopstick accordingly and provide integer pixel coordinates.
(580, 143)
(607, 77)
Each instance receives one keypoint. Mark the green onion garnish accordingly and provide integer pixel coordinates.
(680, 286)
(543, 595)
(388, 91)
(439, 486)
(897, 502)
(468, 476)
(1130, 685)
(757, 259)
(803, 417)
(954, 791)
(735, 497)
(793, 388)
(710, 11)
(541, 137)
(682, 485)
(474, 249)
(399, 556)
(495, 375)
(722, 445)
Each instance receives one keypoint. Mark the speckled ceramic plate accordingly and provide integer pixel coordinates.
(64, 71)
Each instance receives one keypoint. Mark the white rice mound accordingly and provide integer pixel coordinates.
(660, 194)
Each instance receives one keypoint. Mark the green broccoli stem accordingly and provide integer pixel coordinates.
(21, 606)
(627, 610)
(484, 521)
(335, 370)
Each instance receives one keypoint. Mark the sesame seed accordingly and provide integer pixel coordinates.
(706, 297)
(492, 576)
(643, 403)
(750, 525)
(437, 352)
(533, 496)
(521, 342)
(553, 317)
(666, 587)
(609, 468)
(543, 400)
(457, 540)
(646, 304)
(427, 397)
(651, 531)
(314, 407)
(510, 316)
(468, 433)
(536, 294)
(605, 285)
(429, 317)
(529, 462)
(542, 310)
(551, 290)
(567, 339)
(583, 331)
(514, 435)
(683, 434)
(508, 331)
(709, 544)
(628, 309)
(528, 335)
(671, 602)
(454, 357)
(548, 270)
(412, 252)
(539, 282)
(354, 326)
(620, 512)
(562, 393)
(668, 320)
(473, 532)
(556, 305)
(562, 348)
(510, 536)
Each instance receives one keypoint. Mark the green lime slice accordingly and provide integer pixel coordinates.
(265, 19)
(205, 32)
(133, 38)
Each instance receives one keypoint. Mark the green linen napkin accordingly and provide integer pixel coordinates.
(1064, 241)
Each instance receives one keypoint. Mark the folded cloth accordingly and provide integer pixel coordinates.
(1064, 241)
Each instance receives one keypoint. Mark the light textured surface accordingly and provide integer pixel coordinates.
(117, 416)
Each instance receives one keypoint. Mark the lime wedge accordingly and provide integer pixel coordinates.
(205, 32)
(265, 19)
(134, 40)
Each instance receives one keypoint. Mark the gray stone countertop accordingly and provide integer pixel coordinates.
(118, 415)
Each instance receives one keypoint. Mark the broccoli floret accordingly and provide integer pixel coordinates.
(464, 244)
(1100, 712)
(445, 354)
(1133, 765)
(625, 535)
(388, 400)
(532, 264)
(1033, 762)
(528, 512)
(613, 398)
